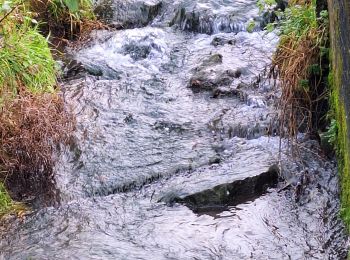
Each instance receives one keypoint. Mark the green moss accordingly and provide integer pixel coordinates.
(5, 200)
(339, 113)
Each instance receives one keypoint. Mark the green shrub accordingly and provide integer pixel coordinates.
(299, 20)
(73, 10)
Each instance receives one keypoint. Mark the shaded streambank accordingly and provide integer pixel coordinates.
(177, 153)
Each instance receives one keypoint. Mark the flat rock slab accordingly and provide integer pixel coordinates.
(133, 226)
(247, 174)
(231, 194)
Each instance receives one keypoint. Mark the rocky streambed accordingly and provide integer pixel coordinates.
(177, 153)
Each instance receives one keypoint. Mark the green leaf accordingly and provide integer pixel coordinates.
(251, 26)
(73, 5)
(270, 27)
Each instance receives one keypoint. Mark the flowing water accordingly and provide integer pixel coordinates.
(176, 153)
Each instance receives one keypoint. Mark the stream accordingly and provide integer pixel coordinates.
(177, 153)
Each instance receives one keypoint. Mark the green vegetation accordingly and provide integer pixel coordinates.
(68, 16)
(25, 61)
(341, 141)
(251, 26)
(5, 200)
(338, 84)
(265, 6)
(26, 64)
(77, 10)
(299, 63)
(339, 115)
(332, 133)
(33, 120)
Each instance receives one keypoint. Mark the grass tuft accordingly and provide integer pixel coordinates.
(303, 36)
(66, 19)
(33, 120)
(25, 62)
(5, 200)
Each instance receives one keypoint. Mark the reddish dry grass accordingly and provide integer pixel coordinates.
(292, 60)
(31, 128)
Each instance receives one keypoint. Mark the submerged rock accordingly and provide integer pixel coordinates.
(210, 79)
(212, 60)
(210, 75)
(231, 194)
(222, 40)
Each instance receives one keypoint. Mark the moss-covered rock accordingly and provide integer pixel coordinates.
(339, 13)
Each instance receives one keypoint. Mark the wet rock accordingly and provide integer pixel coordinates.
(137, 52)
(271, 15)
(211, 17)
(225, 92)
(212, 60)
(205, 23)
(104, 71)
(214, 160)
(231, 194)
(72, 68)
(169, 127)
(210, 75)
(198, 17)
(128, 13)
(129, 119)
(236, 74)
(211, 79)
(230, 92)
(256, 102)
(248, 131)
(282, 4)
(222, 40)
